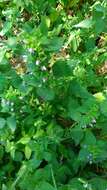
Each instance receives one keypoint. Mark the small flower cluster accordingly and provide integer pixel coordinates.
(90, 125)
(43, 68)
(90, 158)
(7, 104)
(90, 155)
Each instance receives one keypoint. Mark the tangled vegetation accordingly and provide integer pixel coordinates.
(53, 95)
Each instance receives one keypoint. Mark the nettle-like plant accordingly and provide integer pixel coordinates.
(53, 95)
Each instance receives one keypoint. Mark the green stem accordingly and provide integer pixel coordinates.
(53, 178)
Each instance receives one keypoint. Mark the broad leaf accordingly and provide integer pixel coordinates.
(11, 122)
(2, 122)
(45, 93)
(87, 23)
(61, 69)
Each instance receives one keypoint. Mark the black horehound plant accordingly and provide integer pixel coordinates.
(53, 95)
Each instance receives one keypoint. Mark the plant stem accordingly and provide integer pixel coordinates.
(53, 179)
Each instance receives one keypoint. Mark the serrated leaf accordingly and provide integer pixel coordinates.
(11, 122)
(77, 90)
(98, 183)
(72, 109)
(76, 184)
(77, 135)
(83, 155)
(52, 45)
(90, 44)
(89, 138)
(61, 69)
(45, 93)
(2, 122)
(100, 26)
(44, 186)
(15, 79)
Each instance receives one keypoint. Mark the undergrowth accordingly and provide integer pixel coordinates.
(53, 95)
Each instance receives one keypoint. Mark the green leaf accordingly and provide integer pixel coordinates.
(12, 42)
(45, 93)
(47, 156)
(98, 10)
(16, 80)
(103, 107)
(11, 122)
(74, 44)
(3, 82)
(72, 109)
(77, 135)
(1, 152)
(87, 23)
(76, 184)
(90, 44)
(28, 152)
(52, 45)
(18, 156)
(2, 54)
(61, 69)
(83, 155)
(45, 23)
(4, 187)
(2, 122)
(89, 138)
(78, 90)
(24, 140)
(44, 186)
(98, 183)
(7, 26)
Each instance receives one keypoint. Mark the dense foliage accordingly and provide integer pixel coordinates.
(53, 95)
